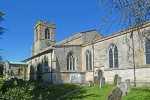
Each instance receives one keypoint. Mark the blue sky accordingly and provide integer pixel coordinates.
(70, 17)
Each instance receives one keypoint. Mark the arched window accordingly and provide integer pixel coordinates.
(31, 69)
(113, 57)
(47, 33)
(147, 45)
(46, 64)
(70, 62)
(88, 61)
(36, 34)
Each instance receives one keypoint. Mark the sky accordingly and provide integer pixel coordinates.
(70, 17)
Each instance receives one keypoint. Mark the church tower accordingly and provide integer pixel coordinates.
(44, 36)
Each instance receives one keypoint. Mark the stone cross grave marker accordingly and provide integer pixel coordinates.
(122, 87)
(114, 94)
(119, 80)
(127, 82)
(102, 82)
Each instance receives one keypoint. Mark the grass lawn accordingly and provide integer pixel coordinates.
(1, 76)
(90, 93)
(94, 93)
(55, 91)
(85, 93)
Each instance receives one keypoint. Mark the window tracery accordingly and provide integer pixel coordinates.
(70, 62)
(88, 61)
(113, 57)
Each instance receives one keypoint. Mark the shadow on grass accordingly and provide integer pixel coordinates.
(79, 95)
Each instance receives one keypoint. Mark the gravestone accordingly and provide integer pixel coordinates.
(122, 87)
(119, 80)
(127, 82)
(114, 94)
(115, 79)
(102, 82)
(90, 83)
(95, 80)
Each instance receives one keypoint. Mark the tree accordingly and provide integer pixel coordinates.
(128, 13)
(2, 30)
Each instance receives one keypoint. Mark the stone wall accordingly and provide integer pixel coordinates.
(61, 53)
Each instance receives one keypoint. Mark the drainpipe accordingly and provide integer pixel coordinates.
(133, 59)
(51, 64)
(93, 60)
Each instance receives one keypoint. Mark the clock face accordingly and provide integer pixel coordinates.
(48, 43)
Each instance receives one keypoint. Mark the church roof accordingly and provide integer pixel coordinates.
(19, 63)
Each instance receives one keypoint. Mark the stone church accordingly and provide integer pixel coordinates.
(86, 57)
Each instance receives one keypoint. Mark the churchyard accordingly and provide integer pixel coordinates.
(92, 92)
(87, 92)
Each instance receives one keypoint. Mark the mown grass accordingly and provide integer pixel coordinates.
(138, 93)
(85, 93)
(1, 76)
(90, 93)
(94, 93)
(55, 91)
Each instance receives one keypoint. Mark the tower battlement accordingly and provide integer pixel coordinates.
(41, 22)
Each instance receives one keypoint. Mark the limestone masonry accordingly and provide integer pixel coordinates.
(85, 57)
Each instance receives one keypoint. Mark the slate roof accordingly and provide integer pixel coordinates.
(19, 63)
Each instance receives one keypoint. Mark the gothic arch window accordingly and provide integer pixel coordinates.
(113, 57)
(31, 69)
(47, 33)
(46, 64)
(70, 62)
(88, 61)
(147, 45)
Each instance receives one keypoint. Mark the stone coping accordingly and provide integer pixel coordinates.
(56, 72)
(111, 69)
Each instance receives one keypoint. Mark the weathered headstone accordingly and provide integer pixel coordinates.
(119, 80)
(102, 82)
(90, 83)
(114, 94)
(95, 80)
(115, 79)
(127, 82)
(122, 87)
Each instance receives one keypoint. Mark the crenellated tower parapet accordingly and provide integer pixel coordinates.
(47, 24)
(44, 36)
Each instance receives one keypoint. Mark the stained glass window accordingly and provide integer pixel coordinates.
(116, 57)
(147, 52)
(110, 59)
(113, 57)
(88, 61)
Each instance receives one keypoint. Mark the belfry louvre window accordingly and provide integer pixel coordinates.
(36, 34)
(88, 61)
(47, 33)
(113, 57)
(70, 62)
(147, 45)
